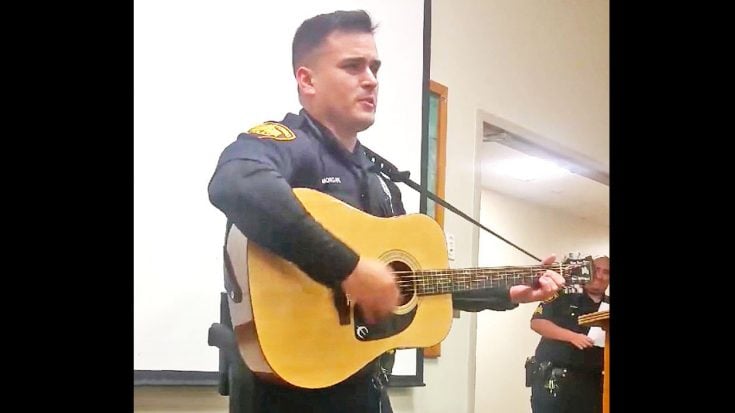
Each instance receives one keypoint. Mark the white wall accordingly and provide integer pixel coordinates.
(204, 72)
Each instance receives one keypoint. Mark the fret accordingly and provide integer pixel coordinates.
(466, 281)
(504, 279)
(430, 286)
(428, 282)
(447, 284)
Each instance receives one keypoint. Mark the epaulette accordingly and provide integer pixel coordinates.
(272, 130)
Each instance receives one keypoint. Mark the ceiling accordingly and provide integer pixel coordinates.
(572, 193)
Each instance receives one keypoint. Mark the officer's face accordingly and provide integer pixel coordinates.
(601, 278)
(344, 78)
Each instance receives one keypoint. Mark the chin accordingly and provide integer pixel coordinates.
(364, 122)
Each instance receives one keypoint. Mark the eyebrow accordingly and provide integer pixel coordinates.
(375, 62)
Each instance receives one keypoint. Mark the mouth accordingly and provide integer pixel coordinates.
(368, 102)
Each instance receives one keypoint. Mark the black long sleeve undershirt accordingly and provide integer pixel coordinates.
(260, 202)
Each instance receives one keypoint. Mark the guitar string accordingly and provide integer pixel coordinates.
(460, 277)
(470, 279)
(421, 274)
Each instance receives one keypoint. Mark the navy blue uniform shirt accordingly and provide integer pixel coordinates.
(252, 186)
(564, 311)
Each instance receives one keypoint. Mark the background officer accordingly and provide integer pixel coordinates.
(568, 367)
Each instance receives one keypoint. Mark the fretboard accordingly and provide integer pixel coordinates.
(429, 282)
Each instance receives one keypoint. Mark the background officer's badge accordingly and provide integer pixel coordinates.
(273, 130)
(552, 298)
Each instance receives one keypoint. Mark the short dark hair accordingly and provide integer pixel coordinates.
(313, 31)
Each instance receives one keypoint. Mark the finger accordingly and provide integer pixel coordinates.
(545, 291)
(386, 312)
(558, 279)
(549, 260)
(396, 295)
(370, 318)
(548, 285)
(382, 309)
(396, 301)
(369, 314)
(584, 342)
(395, 278)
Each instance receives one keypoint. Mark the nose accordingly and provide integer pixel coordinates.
(369, 80)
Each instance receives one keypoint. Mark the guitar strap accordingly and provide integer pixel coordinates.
(391, 172)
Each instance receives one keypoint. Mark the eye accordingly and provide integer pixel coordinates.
(374, 68)
(352, 66)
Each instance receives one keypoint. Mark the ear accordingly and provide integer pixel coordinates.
(305, 80)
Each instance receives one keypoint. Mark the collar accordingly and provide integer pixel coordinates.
(357, 157)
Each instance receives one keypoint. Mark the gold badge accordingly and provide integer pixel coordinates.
(539, 309)
(273, 130)
(552, 298)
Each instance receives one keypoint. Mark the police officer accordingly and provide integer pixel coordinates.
(335, 63)
(568, 366)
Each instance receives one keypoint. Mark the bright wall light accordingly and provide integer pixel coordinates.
(529, 169)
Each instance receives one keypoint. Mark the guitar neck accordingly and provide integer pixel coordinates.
(432, 282)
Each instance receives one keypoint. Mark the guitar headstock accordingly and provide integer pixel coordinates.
(578, 270)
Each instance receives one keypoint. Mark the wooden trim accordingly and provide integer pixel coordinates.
(441, 146)
(441, 156)
(438, 88)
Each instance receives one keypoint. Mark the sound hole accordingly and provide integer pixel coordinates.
(405, 280)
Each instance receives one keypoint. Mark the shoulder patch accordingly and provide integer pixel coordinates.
(552, 298)
(273, 130)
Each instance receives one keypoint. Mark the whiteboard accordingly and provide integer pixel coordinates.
(205, 71)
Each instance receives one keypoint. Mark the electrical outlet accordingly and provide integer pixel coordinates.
(450, 247)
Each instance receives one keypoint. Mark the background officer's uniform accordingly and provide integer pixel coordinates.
(572, 382)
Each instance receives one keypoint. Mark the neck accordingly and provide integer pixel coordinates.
(430, 282)
(595, 296)
(347, 139)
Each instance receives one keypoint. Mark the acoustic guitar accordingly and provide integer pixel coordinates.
(300, 326)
